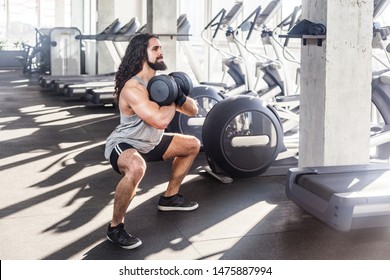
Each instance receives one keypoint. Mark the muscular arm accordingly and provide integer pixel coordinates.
(136, 100)
(188, 108)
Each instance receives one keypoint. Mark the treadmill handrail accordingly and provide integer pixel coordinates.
(110, 29)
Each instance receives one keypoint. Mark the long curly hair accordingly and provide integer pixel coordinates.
(136, 53)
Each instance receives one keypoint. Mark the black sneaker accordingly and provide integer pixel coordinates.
(176, 203)
(122, 238)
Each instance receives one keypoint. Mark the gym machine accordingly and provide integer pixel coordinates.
(222, 21)
(280, 91)
(205, 96)
(98, 96)
(287, 104)
(242, 134)
(78, 89)
(65, 51)
(242, 137)
(221, 150)
(37, 58)
(231, 63)
(57, 82)
(350, 196)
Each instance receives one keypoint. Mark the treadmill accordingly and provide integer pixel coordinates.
(99, 96)
(56, 82)
(77, 90)
(344, 197)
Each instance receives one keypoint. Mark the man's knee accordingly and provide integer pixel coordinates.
(182, 145)
(133, 164)
(193, 145)
(138, 165)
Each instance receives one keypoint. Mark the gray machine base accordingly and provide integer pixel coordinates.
(344, 197)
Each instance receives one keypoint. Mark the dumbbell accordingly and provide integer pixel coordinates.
(162, 89)
(166, 89)
(183, 81)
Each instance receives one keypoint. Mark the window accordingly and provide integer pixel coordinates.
(19, 18)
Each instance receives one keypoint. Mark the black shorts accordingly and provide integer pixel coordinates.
(154, 155)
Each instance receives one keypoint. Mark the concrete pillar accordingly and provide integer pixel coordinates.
(89, 27)
(106, 15)
(59, 13)
(128, 9)
(77, 14)
(336, 84)
(108, 11)
(162, 21)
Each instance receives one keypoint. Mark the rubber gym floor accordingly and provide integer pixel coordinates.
(57, 197)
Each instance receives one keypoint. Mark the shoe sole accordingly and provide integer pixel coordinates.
(173, 208)
(129, 247)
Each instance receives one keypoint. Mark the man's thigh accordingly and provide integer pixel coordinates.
(182, 145)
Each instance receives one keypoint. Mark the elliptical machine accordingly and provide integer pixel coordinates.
(207, 94)
(242, 135)
(37, 58)
(231, 63)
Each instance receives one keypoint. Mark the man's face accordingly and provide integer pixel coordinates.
(155, 55)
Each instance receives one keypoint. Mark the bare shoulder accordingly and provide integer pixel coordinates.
(133, 94)
(133, 85)
(133, 91)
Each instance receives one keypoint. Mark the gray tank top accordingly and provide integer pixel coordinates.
(135, 132)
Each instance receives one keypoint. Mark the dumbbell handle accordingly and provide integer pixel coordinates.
(184, 84)
(181, 98)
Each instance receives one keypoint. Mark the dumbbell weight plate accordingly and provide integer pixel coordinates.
(162, 90)
(183, 81)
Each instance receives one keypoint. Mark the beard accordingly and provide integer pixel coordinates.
(158, 66)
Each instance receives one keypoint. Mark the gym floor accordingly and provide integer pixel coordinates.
(57, 195)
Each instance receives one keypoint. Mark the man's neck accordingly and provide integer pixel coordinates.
(146, 73)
